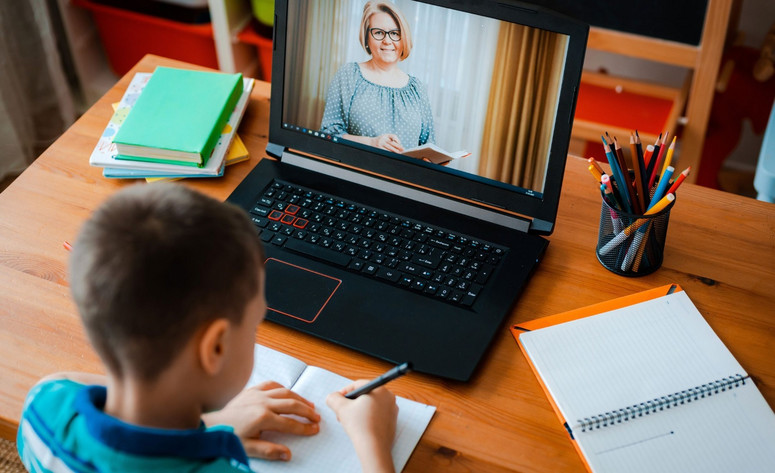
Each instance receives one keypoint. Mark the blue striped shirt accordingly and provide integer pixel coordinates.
(64, 429)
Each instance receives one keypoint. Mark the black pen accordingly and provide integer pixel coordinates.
(392, 374)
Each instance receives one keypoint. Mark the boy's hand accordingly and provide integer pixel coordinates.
(370, 422)
(262, 408)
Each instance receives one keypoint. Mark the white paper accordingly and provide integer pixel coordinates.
(330, 449)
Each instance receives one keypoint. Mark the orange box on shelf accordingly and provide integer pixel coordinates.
(127, 36)
(620, 106)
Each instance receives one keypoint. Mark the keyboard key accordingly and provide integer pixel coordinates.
(260, 211)
(356, 264)
(275, 215)
(259, 222)
(418, 285)
(389, 274)
(470, 295)
(410, 268)
(484, 274)
(319, 252)
(440, 243)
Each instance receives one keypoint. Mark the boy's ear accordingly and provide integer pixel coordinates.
(212, 346)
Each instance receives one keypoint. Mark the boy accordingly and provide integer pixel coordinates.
(169, 285)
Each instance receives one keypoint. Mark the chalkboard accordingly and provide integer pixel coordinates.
(673, 20)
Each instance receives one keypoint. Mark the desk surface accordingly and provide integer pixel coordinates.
(720, 248)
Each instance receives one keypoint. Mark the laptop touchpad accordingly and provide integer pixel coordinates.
(296, 291)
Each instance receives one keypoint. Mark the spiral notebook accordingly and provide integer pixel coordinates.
(650, 387)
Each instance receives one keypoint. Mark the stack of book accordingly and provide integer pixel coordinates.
(175, 123)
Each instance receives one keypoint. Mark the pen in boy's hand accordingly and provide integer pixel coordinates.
(392, 374)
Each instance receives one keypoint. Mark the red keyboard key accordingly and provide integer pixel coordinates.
(275, 215)
(300, 223)
(292, 209)
(288, 219)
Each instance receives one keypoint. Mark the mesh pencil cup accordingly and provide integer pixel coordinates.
(631, 245)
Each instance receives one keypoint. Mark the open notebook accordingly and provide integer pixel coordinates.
(330, 449)
(650, 387)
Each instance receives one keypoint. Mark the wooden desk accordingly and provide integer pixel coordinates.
(720, 248)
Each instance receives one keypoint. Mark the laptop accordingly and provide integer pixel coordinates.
(411, 256)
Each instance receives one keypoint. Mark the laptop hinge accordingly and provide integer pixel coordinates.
(541, 226)
(463, 208)
(274, 150)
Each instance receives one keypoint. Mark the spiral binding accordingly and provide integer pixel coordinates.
(665, 402)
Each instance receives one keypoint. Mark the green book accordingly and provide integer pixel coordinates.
(179, 116)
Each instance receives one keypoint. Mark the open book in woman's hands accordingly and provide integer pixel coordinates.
(434, 154)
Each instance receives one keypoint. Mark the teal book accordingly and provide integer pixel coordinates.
(179, 116)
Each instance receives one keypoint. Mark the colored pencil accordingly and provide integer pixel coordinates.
(669, 157)
(679, 180)
(593, 162)
(654, 155)
(620, 187)
(658, 162)
(637, 166)
(626, 175)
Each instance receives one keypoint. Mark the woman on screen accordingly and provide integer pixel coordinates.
(375, 102)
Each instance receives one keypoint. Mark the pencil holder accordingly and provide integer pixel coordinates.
(631, 245)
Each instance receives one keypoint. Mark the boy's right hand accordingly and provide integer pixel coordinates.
(370, 422)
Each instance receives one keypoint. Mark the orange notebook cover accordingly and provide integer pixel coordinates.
(580, 313)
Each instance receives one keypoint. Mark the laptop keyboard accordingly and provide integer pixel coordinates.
(382, 245)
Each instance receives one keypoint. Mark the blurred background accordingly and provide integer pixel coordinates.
(57, 57)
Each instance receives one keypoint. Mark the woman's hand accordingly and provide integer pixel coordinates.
(265, 407)
(389, 142)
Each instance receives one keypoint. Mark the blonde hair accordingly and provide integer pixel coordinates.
(373, 7)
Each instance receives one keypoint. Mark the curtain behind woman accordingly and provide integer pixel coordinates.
(316, 59)
(522, 106)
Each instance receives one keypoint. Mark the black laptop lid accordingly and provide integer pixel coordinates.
(500, 79)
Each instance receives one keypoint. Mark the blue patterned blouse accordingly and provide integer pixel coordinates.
(357, 106)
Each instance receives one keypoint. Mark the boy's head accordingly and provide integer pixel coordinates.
(153, 265)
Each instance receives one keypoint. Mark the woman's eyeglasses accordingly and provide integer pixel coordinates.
(379, 35)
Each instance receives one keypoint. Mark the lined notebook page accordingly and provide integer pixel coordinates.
(330, 449)
(272, 365)
(621, 358)
(627, 356)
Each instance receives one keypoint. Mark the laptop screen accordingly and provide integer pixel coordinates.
(472, 100)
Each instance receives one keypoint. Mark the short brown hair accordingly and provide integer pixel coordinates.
(152, 265)
(371, 8)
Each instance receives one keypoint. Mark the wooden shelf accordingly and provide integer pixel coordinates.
(691, 107)
(618, 106)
